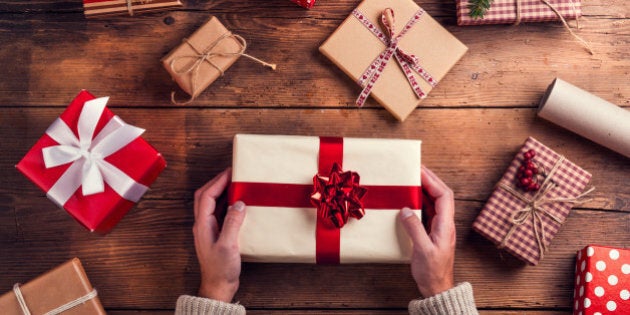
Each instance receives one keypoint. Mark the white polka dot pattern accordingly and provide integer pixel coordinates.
(602, 281)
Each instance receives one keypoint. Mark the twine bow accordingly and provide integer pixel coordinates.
(87, 154)
(338, 196)
(534, 209)
(206, 56)
(407, 62)
(70, 305)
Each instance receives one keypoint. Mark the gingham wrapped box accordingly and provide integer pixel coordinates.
(508, 220)
(505, 11)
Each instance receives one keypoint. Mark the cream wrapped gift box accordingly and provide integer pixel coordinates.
(275, 176)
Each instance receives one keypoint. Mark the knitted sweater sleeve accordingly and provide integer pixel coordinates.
(192, 305)
(456, 301)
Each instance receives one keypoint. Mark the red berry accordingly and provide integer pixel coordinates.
(534, 170)
(522, 168)
(533, 186)
(525, 182)
(532, 153)
(528, 173)
(527, 156)
(530, 166)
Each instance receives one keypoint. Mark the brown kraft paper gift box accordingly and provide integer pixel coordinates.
(63, 284)
(514, 222)
(353, 48)
(211, 36)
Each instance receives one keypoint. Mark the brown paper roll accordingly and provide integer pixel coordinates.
(587, 115)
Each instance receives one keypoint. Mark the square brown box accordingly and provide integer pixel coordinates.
(353, 48)
(63, 284)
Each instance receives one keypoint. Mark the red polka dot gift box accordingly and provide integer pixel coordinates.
(602, 281)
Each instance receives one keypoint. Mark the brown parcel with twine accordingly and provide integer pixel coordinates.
(524, 222)
(204, 57)
(63, 290)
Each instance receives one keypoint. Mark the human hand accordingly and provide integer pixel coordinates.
(217, 251)
(433, 253)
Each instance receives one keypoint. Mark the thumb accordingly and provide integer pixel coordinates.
(232, 223)
(414, 228)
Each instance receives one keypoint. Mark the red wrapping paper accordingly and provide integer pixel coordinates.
(602, 281)
(99, 212)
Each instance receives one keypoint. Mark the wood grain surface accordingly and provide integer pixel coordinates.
(471, 126)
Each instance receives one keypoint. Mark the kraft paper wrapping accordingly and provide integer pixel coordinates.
(58, 286)
(352, 47)
(288, 234)
(587, 115)
(201, 40)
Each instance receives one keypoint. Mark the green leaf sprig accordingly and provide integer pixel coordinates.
(478, 8)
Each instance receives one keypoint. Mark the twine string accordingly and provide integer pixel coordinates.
(70, 305)
(584, 43)
(206, 56)
(534, 209)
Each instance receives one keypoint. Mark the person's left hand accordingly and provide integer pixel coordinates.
(217, 252)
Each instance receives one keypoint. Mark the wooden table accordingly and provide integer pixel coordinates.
(471, 124)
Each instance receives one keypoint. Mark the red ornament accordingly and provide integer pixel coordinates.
(338, 196)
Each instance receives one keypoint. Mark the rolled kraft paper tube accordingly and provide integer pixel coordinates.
(587, 115)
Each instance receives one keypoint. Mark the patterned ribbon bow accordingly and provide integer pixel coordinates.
(407, 62)
(534, 209)
(86, 155)
(338, 197)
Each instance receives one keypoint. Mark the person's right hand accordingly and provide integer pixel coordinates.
(217, 251)
(433, 253)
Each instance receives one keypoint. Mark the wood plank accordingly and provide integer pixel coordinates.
(468, 148)
(149, 259)
(49, 57)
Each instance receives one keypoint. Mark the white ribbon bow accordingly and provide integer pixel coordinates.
(87, 155)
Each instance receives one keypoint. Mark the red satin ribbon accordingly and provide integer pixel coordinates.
(327, 239)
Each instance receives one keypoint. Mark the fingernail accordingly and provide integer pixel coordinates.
(238, 206)
(406, 212)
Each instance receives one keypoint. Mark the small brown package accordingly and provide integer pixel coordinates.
(55, 289)
(204, 57)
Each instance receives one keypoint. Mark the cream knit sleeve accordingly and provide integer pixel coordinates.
(192, 305)
(456, 301)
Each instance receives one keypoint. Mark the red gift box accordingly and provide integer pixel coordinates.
(92, 164)
(602, 281)
(304, 3)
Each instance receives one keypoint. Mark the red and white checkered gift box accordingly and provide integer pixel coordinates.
(304, 3)
(602, 281)
(505, 11)
(524, 225)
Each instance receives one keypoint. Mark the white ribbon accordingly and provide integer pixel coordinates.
(87, 155)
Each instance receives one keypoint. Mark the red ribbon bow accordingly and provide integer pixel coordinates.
(338, 196)
(407, 62)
